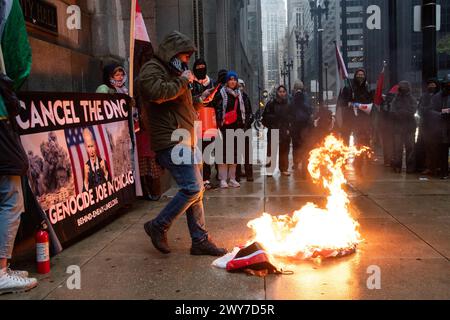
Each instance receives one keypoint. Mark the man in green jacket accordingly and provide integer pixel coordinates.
(165, 83)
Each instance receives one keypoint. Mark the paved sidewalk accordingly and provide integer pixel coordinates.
(405, 223)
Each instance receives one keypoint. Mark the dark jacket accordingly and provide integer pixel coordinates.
(231, 100)
(277, 115)
(249, 117)
(356, 93)
(301, 110)
(403, 109)
(171, 105)
(442, 121)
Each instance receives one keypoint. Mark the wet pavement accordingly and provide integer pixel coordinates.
(405, 223)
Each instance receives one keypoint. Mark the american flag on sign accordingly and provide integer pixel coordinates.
(78, 154)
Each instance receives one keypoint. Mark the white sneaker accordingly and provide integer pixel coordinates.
(223, 184)
(234, 184)
(17, 273)
(286, 173)
(14, 284)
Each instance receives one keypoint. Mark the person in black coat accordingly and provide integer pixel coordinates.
(426, 146)
(403, 112)
(355, 120)
(440, 113)
(277, 116)
(301, 114)
(201, 83)
(386, 126)
(248, 167)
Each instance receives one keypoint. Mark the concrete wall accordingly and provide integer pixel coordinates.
(72, 60)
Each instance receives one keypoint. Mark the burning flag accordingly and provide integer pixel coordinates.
(312, 231)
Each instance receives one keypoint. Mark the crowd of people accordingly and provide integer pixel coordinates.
(169, 97)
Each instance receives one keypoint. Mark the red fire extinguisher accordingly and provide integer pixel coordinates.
(42, 251)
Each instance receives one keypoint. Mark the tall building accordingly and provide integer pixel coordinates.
(301, 19)
(255, 49)
(80, 53)
(219, 28)
(273, 28)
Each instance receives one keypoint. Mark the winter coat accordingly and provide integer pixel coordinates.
(218, 105)
(170, 102)
(357, 93)
(424, 108)
(403, 112)
(277, 115)
(301, 111)
(442, 121)
(249, 117)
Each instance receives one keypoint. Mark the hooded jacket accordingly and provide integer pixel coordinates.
(170, 102)
(404, 108)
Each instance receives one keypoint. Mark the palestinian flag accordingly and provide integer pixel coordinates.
(15, 54)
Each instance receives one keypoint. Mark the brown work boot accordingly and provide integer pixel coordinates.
(158, 237)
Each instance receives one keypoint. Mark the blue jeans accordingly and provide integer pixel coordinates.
(189, 198)
(11, 206)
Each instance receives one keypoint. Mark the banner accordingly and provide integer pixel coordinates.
(80, 152)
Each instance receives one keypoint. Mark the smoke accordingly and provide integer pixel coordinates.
(52, 171)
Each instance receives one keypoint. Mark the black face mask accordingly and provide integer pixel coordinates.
(200, 74)
(432, 90)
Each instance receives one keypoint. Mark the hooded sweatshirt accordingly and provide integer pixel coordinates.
(404, 107)
(170, 102)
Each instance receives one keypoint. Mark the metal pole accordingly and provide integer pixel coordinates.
(319, 17)
(344, 31)
(429, 64)
(393, 63)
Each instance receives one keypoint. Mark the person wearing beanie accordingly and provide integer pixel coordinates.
(230, 116)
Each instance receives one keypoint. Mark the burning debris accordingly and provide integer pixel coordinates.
(314, 232)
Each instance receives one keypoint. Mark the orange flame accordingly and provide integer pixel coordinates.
(311, 229)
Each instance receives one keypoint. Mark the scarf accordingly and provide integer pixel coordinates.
(120, 85)
(235, 93)
(204, 82)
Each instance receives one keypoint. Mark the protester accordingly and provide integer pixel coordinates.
(114, 79)
(426, 145)
(248, 167)
(386, 127)
(203, 82)
(231, 115)
(440, 111)
(165, 83)
(13, 161)
(302, 113)
(404, 127)
(277, 116)
(354, 119)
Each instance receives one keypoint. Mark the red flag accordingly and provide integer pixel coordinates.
(341, 64)
(378, 98)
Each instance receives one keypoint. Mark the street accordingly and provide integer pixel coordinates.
(404, 220)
